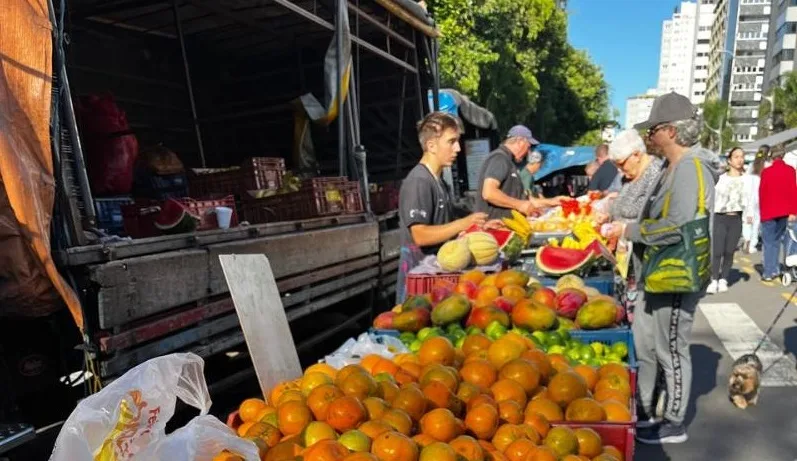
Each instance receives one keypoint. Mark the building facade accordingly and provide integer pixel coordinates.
(637, 108)
(676, 60)
(721, 45)
(700, 65)
(782, 42)
(749, 65)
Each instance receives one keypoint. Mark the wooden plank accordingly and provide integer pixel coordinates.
(164, 326)
(326, 273)
(123, 362)
(319, 304)
(333, 285)
(390, 244)
(312, 342)
(263, 320)
(138, 287)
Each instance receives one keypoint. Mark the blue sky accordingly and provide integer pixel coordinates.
(624, 38)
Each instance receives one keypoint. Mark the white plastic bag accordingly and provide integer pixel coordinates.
(129, 417)
(200, 440)
(352, 351)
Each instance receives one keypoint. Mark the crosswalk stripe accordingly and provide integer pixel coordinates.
(740, 335)
(788, 297)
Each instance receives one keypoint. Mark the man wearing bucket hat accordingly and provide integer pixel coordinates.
(663, 324)
(501, 188)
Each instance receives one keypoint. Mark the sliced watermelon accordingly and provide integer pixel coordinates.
(560, 261)
(174, 218)
(502, 236)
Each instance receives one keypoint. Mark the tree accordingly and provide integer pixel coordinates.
(784, 112)
(715, 118)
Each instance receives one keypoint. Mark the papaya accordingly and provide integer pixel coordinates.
(533, 316)
(450, 310)
(417, 302)
(411, 320)
(596, 314)
(511, 277)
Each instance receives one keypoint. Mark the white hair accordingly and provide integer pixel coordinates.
(626, 143)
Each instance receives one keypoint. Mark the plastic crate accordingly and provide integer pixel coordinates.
(609, 337)
(604, 283)
(352, 199)
(420, 284)
(385, 197)
(259, 173)
(256, 173)
(139, 218)
(621, 437)
(109, 213)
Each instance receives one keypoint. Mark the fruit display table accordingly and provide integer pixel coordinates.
(602, 281)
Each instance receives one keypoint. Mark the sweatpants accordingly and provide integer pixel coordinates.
(727, 231)
(662, 330)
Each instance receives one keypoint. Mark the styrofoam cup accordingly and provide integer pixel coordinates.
(223, 216)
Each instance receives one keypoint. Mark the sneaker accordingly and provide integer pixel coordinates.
(712, 287)
(722, 286)
(665, 432)
(645, 419)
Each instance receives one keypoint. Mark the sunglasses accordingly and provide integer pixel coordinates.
(655, 129)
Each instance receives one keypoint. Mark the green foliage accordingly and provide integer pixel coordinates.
(715, 115)
(512, 57)
(784, 113)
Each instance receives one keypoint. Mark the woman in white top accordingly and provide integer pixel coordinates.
(751, 217)
(730, 201)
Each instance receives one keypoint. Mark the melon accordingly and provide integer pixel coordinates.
(560, 261)
(453, 256)
(483, 247)
(570, 281)
(174, 218)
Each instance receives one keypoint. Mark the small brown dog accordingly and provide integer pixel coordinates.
(745, 380)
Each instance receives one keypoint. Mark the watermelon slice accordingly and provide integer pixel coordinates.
(502, 236)
(560, 261)
(174, 218)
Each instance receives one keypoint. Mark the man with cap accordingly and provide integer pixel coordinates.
(663, 323)
(501, 188)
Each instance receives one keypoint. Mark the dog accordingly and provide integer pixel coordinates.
(745, 380)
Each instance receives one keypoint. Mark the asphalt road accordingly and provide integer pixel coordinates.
(724, 328)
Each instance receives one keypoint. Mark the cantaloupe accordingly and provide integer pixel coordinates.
(483, 247)
(454, 256)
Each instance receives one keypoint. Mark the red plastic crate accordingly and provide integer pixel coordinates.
(255, 173)
(631, 406)
(621, 437)
(421, 284)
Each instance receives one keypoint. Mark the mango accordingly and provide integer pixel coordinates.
(596, 314)
(411, 320)
(452, 309)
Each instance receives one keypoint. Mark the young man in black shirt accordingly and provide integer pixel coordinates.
(426, 212)
(500, 186)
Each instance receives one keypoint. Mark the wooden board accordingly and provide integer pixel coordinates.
(389, 244)
(257, 301)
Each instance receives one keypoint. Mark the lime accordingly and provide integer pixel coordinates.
(356, 441)
(554, 339)
(473, 330)
(585, 352)
(556, 350)
(613, 358)
(460, 342)
(573, 354)
(495, 330)
(415, 346)
(407, 337)
(425, 333)
(599, 348)
(438, 330)
(453, 327)
(620, 349)
(564, 333)
(536, 341)
(541, 336)
(594, 362)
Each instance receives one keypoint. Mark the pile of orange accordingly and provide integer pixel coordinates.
(488, 401)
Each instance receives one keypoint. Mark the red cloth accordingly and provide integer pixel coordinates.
(777, 194)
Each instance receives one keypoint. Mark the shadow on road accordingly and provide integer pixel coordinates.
(790, 340)
(705, 362)
(736, 276)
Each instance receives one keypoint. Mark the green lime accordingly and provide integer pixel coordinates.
(554, 339)
(407, 337)
(541, 336)
(620, 349)
(594, 362)
(425, 333)
(573, 354)
(460, 342)
(453, 327)
(585, 352)
(556, 350)
(613, 358)
(495, 330)
(473, 330)
(415, 346)
(564, 333)
(599, 348)
(536, 341)
(458, 334)
(439, 331)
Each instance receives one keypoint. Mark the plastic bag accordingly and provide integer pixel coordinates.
(352, 351)
(200, 440)
(127, 419)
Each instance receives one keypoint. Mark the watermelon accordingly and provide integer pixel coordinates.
(560, 261)
(509, 243)
(174, 218)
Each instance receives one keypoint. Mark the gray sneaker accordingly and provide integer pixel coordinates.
(664, 432)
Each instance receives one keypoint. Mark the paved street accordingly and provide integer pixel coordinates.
(727, 326)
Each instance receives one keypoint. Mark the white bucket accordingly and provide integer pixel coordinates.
(223, 216)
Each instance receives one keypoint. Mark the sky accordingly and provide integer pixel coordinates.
(624, 38)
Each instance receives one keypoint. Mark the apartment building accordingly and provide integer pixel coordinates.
(721, 45)
(676, 60)
(637, 108)
(782, 42)
(700, 65)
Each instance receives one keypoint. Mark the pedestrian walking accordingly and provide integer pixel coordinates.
(751, 218)
(776, 196)
(730, 201)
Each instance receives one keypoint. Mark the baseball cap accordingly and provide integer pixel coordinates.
(521, 131)
(666, 108)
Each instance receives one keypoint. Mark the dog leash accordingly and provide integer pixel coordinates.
(777, 317)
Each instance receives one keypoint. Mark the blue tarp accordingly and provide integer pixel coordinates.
(558, 158)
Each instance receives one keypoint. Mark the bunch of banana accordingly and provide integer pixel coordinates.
(519, 225)
(586, 234)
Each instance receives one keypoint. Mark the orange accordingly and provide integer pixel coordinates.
(322, 368)
(424, 440)
(523, 372)
(325, 450)
(467, 391)
(369, 361)
(313, 379)
(227, 456)
(474, 276)
(436, 350)
(267, 415)
(590, 375)
(262, 447)
(440, 373)
(319, 399)
(393, 446)
(488, 281)
(359, 385)
(441, 425)
(507, 389)
(360, 456)
(375, 407)
(293, 416)
(283, 451)
(399, 420)
(405, 358)
(389, 390)
(546, 407)
(348, 370)
(506, 434)
(538, 422)
(531, 433)
(412, 401)
(374, 428)
(468, 448)
(437, 394)
(475, 343)
(503, 352)
(566, 386)
(346, 413)
(476, 355)
(385, 366)
(585, 410)
(412, 369)
(589, 442)
(480, 399)
(488, 447)
(543, 454)
(494, 456)
(562, 440)
(265, 432)
(438, 451)
(614, 369)
(513, 292)
(250, 408)
(610, 394)
(616, 383)
(278, 390)
(614, 451)
(574, 458)
(519, 450)
(315, 432)
(482, 421)
(479, 373)
(291, 395)
(616, 412)
(244, 428)
(558, 362)
(541, 392)
(510, 412)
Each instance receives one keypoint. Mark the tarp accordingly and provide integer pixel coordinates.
(456, 103)
(557, 158)
(27, 271)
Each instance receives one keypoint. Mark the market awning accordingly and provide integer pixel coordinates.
(787, 137)
(557, 158)
(454, 102)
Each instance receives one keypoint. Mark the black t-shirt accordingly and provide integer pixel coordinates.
(423, 199)
(603, 178)
(499, 165)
